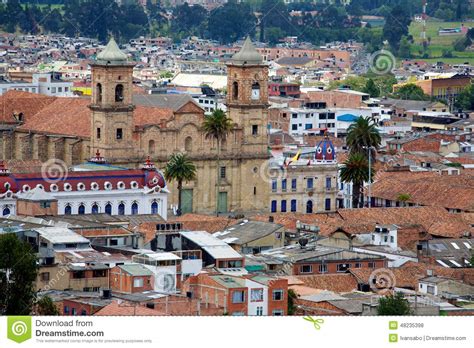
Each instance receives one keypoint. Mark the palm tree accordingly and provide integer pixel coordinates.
(362, 135)
(180, 168)
(217, 126)
(356, 170)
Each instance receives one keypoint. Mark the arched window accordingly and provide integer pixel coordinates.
(98, 93)
(21, 117)
(309, 207)
(188, 144)
(256, 91)
(81, 210)
(235, 90)
(67, 210)
(6, 211)
(95, 209)
(108, 208)
(151, 147)
(121, 209)
(154, 208)
(119, 93)
(134, 208)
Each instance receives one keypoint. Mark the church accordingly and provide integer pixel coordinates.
(126, 129)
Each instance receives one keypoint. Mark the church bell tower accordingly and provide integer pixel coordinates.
(247, 97)
(111, 105)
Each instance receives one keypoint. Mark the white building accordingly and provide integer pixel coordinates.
(42, 83)
(91, 188)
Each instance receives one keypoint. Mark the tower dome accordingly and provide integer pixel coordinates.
(248, 55)
(111, 55)
(325, 151)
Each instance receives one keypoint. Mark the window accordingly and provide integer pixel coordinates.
(293, 205)
(238, 296)
(235, 90)
(121, 209)
(98, 133)
(6, 211)
(392, 239)
(309, 207)
(283, 185)
(308, 126)
(119, 93)
(66, 310)
(44, 276)
(81, 210)
(83, 312)
(274, 185)
(222, 172)
(73, 311)
(277, 295)
(138, 282)
(99, 273)
(371, 264)
(306, 269)
(309, 183)
(108, 208)
(188, 144)
(294, 127)
(254, 129)
(342, 267)
(95, 209)
(154, 208)
(328, 204)
(45, 204)
(78, 274)
(358, 265)
(67, 210)
(293, 184)
(134, 208)
(431, 289)
(256, 295)
(151, 147)
(259, 311)
(99, 93)
(328, 183)
(119, 134)
(283, 206)
(277, 312)
(323, 268)
(274, 206)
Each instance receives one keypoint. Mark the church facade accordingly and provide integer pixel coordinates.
(126, 134)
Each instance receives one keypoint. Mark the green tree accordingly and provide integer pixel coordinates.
(189, 19)
(18, 271)
(179, 168)
(394, 305)
(362, 135)
(396, 25)
(410, 91)
(403, 198)
(465, 99)
(46, 306)
(292, 296)
(356, 170)
(217, 126)
(274, 14)
(404, 50)
(232, 21)
(371, 89)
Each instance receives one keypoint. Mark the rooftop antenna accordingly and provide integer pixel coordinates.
(423, 21)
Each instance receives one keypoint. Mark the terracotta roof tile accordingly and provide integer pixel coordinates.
(332, 282)
(126, 309)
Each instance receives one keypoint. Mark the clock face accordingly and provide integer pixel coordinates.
(255, 94)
